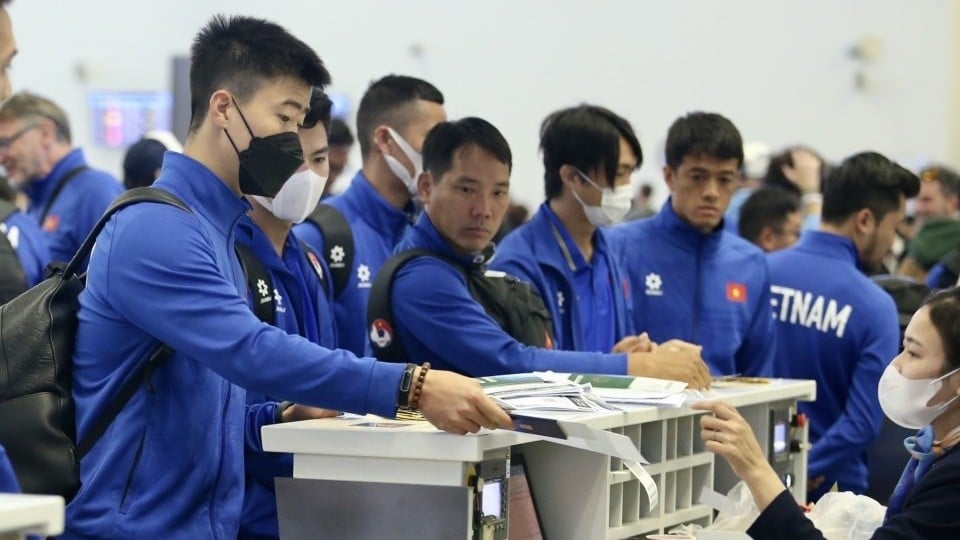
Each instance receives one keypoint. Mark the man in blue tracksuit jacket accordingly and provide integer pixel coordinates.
(588, 153)
(300, 301)
(394, 116)
(834, 325)
(302, 306)
(690, 279)
(465, 190)
(30, 243)
(40, 158)
(171, 463)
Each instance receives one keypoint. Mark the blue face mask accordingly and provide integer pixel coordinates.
(268, 162)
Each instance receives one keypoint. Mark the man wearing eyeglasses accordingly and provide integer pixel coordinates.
(771, 219)
(66, 196)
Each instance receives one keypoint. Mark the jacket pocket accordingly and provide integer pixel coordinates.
(125, 499)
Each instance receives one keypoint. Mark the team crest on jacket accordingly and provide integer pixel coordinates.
(381, 334)
(315, 262)
(654, 285)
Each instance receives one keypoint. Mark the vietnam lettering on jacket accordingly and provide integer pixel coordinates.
(440, 322)
(709, 289)
(30, 243)
(532, 253)
(377, 227)
(171, 463)
(76, 209)
(835, 326)
(302, 306)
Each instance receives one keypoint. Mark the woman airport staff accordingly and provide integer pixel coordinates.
(918, 390)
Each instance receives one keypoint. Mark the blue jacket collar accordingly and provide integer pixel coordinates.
(425, 235)
(545, 242)
(682, 233)
(373, 209)
(199, 187)
(830, 245)
(41, 188)
(251, 234)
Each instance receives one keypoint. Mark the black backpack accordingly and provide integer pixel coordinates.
(13, 280)
(512, 303)
(37, 332)
(338, 242)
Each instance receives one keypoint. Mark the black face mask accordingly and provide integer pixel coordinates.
(268, 162)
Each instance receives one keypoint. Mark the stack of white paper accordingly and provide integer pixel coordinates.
(624, 389)
(540, 392)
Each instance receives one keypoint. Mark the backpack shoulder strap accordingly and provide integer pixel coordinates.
(56, 191)
(338, 244)
(129, 388)
(133, 196)
(314, 261)
(259, 283)
(161, 352)
(380, 322)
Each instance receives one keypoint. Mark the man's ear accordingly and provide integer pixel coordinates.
(766, 239)
(218, 108)
(381, 139)
(425, 186)
(668, 176)
(864, 222)
(568, 175)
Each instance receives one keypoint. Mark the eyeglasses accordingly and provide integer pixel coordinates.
(5, 142)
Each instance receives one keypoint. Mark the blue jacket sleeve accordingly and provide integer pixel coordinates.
(755, 356)
(8, 479)
(432, 303)
(859, 423)
(31, 245)
(165, 281)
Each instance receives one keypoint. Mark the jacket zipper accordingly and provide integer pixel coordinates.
(697, 293)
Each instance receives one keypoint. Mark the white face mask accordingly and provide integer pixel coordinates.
(614, 204)
(904, 400)
(297, 197)
(398, 169)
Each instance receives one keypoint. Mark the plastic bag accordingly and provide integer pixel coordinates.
(838, 515)
(846, 516)
(737, 512)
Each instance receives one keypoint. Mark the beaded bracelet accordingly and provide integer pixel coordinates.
(415, 400)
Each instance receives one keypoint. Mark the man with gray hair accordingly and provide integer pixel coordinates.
(66, 196)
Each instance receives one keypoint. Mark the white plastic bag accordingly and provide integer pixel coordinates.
(737, 512)
(838, 515)
(846, 516)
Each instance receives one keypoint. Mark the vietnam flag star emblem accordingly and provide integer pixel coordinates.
(736, 292)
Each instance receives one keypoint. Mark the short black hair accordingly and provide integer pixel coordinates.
(320, 107)
(585, 137)
(702, 133)
(866, 180)
(775, 176)
(443, 141)
(340, 134)
(766, 207)
(948, 178)
(239, 53)
(384, 103)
